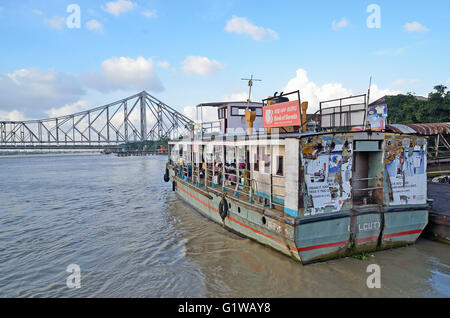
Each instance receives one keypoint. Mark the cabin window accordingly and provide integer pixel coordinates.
(222, 113)
(279, 166)
(258, 111)
(240, 111)
(237, 111)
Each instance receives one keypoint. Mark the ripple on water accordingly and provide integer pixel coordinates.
(133, 237)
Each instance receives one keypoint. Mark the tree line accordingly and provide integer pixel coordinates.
(148, 145)
(407, 109)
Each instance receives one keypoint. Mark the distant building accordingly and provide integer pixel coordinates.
(383, 99)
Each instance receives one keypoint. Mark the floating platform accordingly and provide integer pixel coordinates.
(438, 227)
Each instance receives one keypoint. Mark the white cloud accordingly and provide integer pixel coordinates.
(124, 73)
(241, 25)
(314, 93)
(399, 82)
(403, 82)
(14, 115)
(236, 97)
(94, 25)
(339, 25)
(56, 22)
(68, 109)
(163, 64)
(415, 27)
(200, 65)
(38, 12)
(94, 13)
(149, 14)
(33, 89)
(376, 92)
(448, 80)
(209, 113)
(119, 6)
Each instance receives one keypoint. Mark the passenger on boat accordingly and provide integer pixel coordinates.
(232, 173)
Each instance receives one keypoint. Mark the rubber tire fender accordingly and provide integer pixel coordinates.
(166, 176)
(223, 208)
(174, 185)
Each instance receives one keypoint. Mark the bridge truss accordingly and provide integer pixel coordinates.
(140, 117)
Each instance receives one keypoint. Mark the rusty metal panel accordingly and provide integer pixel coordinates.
(327, 169)
(421, 129)
(405, 162)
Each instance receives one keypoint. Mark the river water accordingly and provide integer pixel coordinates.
(132, 236)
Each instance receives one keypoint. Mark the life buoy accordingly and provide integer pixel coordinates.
(174, 185)
(223, 209)
(166, 176)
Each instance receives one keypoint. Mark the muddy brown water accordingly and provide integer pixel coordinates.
(133, 237)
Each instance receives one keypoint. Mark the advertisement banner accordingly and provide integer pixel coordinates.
(376, 117)
(282, 115)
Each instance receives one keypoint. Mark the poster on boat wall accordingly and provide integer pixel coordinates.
(406, 164)
(327, 166)
(375, 118)
(281, 115)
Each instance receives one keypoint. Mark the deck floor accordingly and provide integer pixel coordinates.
(440, 193)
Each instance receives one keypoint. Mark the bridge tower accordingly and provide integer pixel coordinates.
(143, 117)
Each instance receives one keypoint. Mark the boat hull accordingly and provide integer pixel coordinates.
(307, 240)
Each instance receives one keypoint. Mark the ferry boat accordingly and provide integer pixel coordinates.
(314, 187)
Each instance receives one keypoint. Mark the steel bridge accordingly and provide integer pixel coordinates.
(140, 117)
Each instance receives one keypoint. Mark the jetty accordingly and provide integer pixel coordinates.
(141, 153)
(438, 227)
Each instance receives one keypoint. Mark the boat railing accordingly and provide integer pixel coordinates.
(237, 181)
(274, 195)
(207, 128)
(344, 112)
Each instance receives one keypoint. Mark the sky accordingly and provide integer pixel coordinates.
(59, 57)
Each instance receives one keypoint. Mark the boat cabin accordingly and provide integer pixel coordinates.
(230, 117)
(301, 171)
(340, 185)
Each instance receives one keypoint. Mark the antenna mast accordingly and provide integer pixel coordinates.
(367, 103)
(250, 84)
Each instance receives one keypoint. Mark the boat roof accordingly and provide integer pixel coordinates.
(428, 129)
(222, 104)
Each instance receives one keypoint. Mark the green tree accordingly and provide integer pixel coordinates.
(407, 109)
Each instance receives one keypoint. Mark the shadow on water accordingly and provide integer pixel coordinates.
(133, 237)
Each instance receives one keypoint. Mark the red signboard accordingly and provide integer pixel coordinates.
(282, 115)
